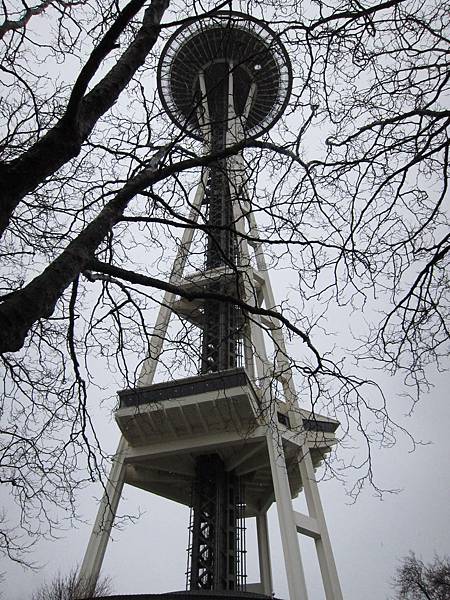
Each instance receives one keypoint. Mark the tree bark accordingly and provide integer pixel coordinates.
(21, 309)
(64, 141)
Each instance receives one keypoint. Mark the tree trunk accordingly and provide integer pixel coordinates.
(64, 141)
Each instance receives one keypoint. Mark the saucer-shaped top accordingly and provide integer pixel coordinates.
(233, 42)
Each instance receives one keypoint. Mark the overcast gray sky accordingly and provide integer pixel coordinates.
(368, 536)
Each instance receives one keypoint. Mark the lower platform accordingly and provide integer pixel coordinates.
(169, 425)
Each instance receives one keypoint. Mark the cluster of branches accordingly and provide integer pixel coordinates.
(416, 580)
(69, 587)
(96, 187)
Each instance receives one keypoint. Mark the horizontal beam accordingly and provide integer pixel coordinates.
(244, 456)
(307, 525)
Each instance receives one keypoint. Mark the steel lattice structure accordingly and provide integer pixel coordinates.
(209, 441)
(210, 72)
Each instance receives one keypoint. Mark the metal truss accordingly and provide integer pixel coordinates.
(217, 545)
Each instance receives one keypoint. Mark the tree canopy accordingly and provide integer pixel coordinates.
(96, 185)
(68, 587)
(416, 580)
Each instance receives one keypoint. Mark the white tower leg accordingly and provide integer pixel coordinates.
(323, 545)
(95, 552)
(165, 311)
(286, 518)
(265, 567)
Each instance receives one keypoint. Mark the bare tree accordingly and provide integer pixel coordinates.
(416, 580)
(68, 587)
(96, 186)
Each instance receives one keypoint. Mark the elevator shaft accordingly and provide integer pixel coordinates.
(221, 320)
(215, 541)
(215, 535)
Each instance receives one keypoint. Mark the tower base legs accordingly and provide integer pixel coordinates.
(265, 568)
(291, 523)
(323, 545)
(95, 552)
(286, 518)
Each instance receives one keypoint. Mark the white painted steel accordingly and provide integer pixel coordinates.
(98, 541)
(101, 532)
(165, 311)
(289, 520)
(323, 545)
(307, 525)
(265, 567)
(286, 519)
(201, 442)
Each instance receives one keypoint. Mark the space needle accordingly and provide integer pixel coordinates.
(226, 442)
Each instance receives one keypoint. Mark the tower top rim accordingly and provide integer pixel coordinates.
(255, 54)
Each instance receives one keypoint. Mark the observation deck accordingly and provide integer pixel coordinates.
(202, 53)
(168, 425)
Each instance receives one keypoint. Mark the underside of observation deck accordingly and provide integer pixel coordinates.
(169, 425)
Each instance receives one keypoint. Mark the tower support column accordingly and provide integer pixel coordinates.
(95, 552)
(323, 545)
(265, 567)
(286, 518)
(214, 562)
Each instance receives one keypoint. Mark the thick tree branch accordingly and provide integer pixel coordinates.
(63, 142)
(37, 300)
(100, 52)
(145, 280)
